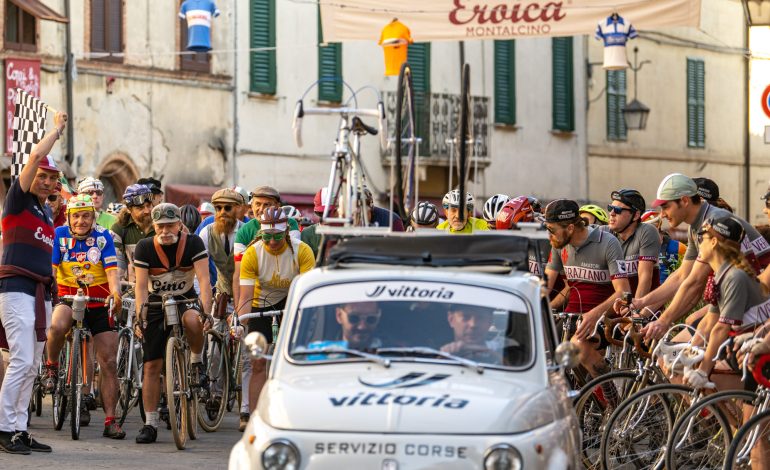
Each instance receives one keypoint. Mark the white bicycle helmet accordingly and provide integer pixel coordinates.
(115, 207)
(493, 206)
(425, 213)
(292, 212)
(90, 183)
(452, 199)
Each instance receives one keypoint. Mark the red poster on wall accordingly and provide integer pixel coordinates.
(19, 73)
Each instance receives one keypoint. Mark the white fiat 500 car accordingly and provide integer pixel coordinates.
(430, 352)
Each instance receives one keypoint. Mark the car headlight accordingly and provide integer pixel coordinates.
(280, 454)
(502, 457)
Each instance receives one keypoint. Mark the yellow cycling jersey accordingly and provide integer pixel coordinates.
(271, 273)
(472, 225)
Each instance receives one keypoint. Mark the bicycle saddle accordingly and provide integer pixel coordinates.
(360, 128)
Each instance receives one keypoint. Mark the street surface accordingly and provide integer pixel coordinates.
(92, 451)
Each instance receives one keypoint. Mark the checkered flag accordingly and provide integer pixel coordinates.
(28, 128)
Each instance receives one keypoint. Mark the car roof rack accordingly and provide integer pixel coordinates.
(501, 251)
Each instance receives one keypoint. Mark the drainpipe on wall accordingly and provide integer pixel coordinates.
(236, 125)
(68, 80)
(746, 134)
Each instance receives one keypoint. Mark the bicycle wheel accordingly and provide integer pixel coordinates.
(594, 406)
(406, 145)
(38, 396)
(751, 444)
(701, 436)
(638, 429)
(126, 392)
(465, 134)
(59, 397)
(192, 401)
(176, 391)
(211, 408)
(76, 374)
(236, 380)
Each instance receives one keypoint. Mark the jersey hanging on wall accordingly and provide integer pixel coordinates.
(198, 14)
(615, 31)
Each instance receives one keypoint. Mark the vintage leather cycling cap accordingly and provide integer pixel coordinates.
(266, 191)
(166, 213)
(673, 187)
(227, 195)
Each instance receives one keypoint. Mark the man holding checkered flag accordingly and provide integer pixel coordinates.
(26, 280)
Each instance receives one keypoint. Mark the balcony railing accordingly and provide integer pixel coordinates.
(437, 117)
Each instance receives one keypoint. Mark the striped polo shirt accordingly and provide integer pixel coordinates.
(27, 238)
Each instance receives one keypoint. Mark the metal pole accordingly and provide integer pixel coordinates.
(746, 130)
(68, 81)
(236, 124)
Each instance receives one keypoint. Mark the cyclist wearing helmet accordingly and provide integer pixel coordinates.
(425, 215)
(515, 211)
(537, 207)
(169, 263)
(453, 224)
(94, 188)
(640, 242)
(671, 251)
(206, 210)
(593, 215)
(114, 208)
(191, 218)
(134, 223)
(85, 254)
(592, 261)
(267, 269)
(492, 208)
(154, 185)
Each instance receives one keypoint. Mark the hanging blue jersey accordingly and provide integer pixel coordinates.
(198, 14)
(615, 31)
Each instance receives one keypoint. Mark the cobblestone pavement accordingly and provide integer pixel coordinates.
(210, 451)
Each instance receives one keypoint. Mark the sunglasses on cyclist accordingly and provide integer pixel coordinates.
(224, 208)
(95, 192)
(617, 210)
(165, 214)
(53, 197)
(272, 236)
(139, 200)
(700, 235)
(370, 320)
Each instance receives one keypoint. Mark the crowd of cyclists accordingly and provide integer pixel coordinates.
(243, 249)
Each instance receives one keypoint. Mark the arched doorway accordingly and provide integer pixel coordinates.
(117, 172)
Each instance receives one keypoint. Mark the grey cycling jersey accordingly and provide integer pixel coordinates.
(741, 300)
(642, 245)
(754, 245)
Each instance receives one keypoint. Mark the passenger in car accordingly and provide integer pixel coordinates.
(358, 321)
(471, 325)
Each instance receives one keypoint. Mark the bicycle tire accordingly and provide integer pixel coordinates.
(192, 401)
(464, 135)
(658, 436)
(587, 404)
(124, 375)
(676, 453)
(237, 378)
(175, 392)
(59, 398)
(404, 112)
(218, 373)
(76, 374)
(38, 396)
(734, 459)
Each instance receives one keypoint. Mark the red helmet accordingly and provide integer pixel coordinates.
(514, 211)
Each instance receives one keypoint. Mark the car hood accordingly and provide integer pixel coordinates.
(408, 400)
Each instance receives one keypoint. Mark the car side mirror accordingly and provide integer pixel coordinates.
(256, 344)
(567, 355)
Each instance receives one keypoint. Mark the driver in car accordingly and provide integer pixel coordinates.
(471, 325)
(358, 321)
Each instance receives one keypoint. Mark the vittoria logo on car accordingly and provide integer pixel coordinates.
(410, 380)
(375, 399)
(411, 292)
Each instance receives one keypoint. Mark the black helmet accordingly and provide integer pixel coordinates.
(535, 203)
(630, 197)
(191, 218)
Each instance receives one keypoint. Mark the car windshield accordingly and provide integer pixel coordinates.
(395, 321)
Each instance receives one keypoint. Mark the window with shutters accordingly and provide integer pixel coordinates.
(20, 28)
(563, 107)
(262, 33)
(192, 61)
(418, 56)
(616, 102)
(329, 68)
(107, 27)
(696, 103)
(505, 82)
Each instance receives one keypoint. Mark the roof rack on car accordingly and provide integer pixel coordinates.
(504, 251)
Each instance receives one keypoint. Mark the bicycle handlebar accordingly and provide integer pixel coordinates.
(269, 313)
(300, 111)
(88, 299)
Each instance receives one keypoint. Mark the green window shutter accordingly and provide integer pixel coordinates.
(563, 85)
(262, 64)
(418, 56)
(696, 103)
(616, 102)
(505, 82)
(329, 66)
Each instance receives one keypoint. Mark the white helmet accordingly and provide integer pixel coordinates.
(292, 212)
(90, 183)
(493, 206)
(114, 207)
(452, 199)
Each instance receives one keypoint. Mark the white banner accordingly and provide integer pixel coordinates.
(453, 20)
